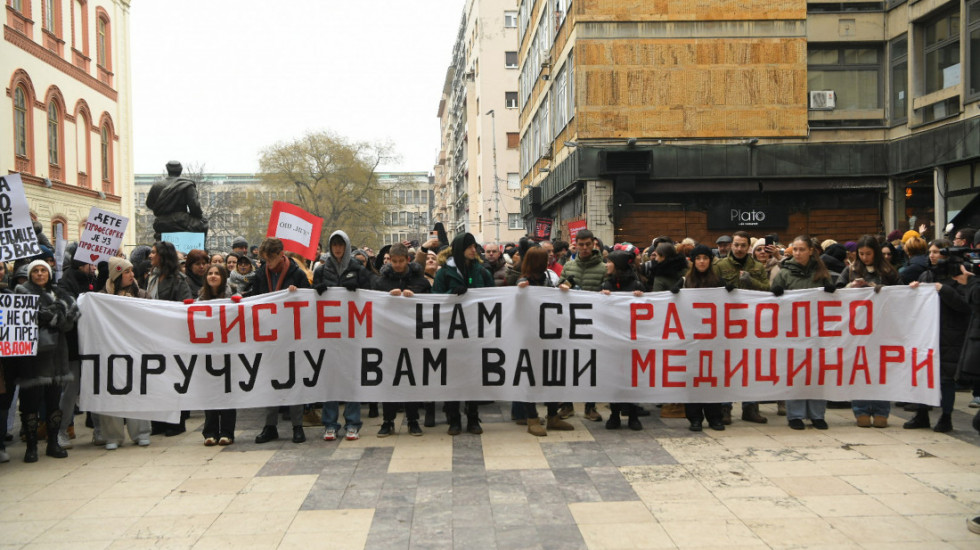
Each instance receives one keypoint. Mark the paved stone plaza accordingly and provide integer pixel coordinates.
(751, 486)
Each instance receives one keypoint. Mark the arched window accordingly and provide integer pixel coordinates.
(20, 122)
(104, 41)
(83, 143)
(107, 137)
(54, 134)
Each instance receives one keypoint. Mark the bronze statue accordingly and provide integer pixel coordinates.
(175, 205)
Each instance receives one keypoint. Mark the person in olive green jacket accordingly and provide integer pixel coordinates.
(739, 269)
(585, 272)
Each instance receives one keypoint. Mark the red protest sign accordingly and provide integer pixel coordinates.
(575, 227)
(298, 229)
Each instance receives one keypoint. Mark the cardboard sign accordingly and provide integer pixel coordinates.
(18, 325)
(101, 237)
(298, 229)
(17, 238)
(184, 242)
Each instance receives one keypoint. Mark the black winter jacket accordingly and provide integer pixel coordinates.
(294, 277)
(413, 279)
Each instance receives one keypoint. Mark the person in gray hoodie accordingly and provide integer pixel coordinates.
(341, 269)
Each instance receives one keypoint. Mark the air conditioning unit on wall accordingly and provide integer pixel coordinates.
(823, 100)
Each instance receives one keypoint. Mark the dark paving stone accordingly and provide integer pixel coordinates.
(323, 499)
(471, 495)
(538, 477)
(511, 514)
(396, 497)
(358, 498)
(474, 537)
(582, 492)
(504, 476)
(565, 476)
(402, 480)
(561, 537)
(518, 538)
(470, 514)
(550, 512)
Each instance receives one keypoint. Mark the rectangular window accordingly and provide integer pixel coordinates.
(513, 181)
(510, 100)
(853, 73)
(514, 221)
(973, 50)
(942, 52)
(940, 110)
(560, 111)
(513, 139)
(510, 19)
(510, 60)
(899, 79)
(49, 15)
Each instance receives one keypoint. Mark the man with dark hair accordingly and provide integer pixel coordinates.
(561, 252)
(964, 236)
(740, 270)
(401, 277)
(277, 273)
(585, 272)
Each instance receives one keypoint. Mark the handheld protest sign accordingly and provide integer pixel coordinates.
(101, 237)
(18, 325)
(298, 229)
(17, 238)
(184, 242)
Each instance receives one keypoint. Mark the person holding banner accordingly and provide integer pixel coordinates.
(121, 281)
(41, 377)
(219, 425)
(621, 276)
(701, 275)
(167, 283)
(343, 270)
(278, 273)
(401, 277)
(870, 269)
(535, 272)
(803, 270)
(462, 271)
(585, 272)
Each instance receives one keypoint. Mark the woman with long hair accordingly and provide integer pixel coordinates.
(535, 272)
(219, 425)
(702, 276)
(870, 268)
(196, 265)
(621, 276)
(803, 270)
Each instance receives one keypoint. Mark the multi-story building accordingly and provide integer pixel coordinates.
(477, 185)
(236, 205)
(777, 116)
(69, 114)
(408, 197)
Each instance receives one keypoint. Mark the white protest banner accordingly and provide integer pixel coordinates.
(101, 237)
(17, 238)
(533, 344)
(298, 229)
(183, 241)
(60, 244)
(18, 325)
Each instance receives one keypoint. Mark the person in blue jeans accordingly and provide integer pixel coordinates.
(341, 270)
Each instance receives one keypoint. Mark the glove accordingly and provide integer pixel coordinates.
(349, 281)
(777, 290)
(830, 288)
(730, 287)
(236, 298)
(878, 288)
(189, 301)
(460, 290)
(745, 277)
(677, 286)
(321, 288)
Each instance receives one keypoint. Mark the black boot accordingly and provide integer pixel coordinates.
(29, 424)
(54, 450)
(372, 410)
(430, 414)
(944, 424)
(455, 424)
(473, 424)
(920, 420)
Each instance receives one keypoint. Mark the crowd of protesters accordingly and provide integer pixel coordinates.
(45, 387)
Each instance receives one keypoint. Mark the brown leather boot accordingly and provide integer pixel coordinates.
(750, 413)
(556, 423)
(534, 427)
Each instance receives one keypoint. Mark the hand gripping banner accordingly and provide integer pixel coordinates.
(532, 344)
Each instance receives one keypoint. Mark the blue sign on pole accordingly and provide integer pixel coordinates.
(185, 242)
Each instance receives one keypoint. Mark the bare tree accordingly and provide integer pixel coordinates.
(333, 178)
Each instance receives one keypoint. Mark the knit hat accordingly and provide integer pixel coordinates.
(117, 266)
(836, 251)
(35, 263)
(894, 235)
(851, 246)
(827, 244)
(910, 234)
(701, 250)
(621, 259)
(239, 242)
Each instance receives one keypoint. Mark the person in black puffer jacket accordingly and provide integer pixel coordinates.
(667, 268)
(77, 279)
(401, 277)
(834, 258)
(621, 277)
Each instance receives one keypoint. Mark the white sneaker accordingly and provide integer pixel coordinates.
(64, 441)
(143, 442)
(975, 404)
(111, 446)
(352, 434)
(329, 434)
(4, 457)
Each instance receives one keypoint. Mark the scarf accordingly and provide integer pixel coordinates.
(281, 272)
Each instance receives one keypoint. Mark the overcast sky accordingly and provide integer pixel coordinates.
(214, 82)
